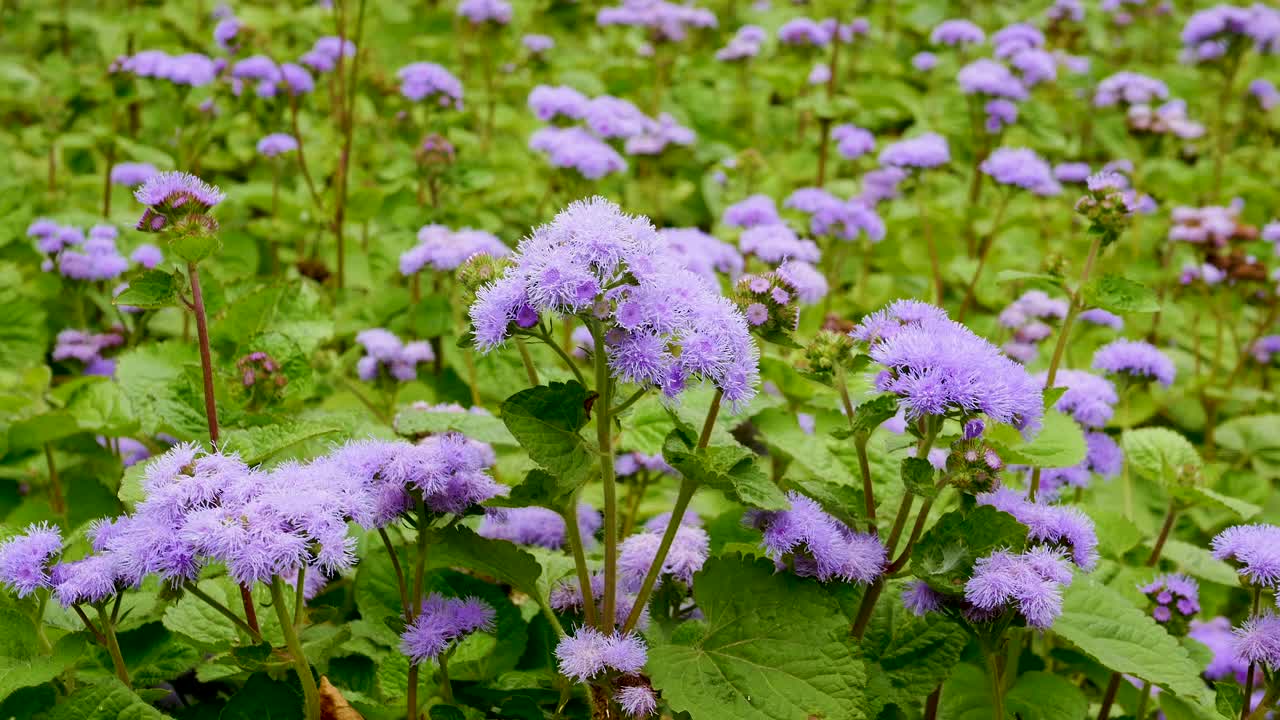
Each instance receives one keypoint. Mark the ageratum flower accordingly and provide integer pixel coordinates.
(1071, 172)
(809, 283)
(657, 135)
(703, 254)
(1215, 634)
(1209, 33)
(1129, 88)
(1021, 167)
(776, 243)
(1257, 641)
(429, 81)
(817, 544)
(1065, 10)
(1036, 66)
(383, 350)
(587, 652)
(1140, 361)
(881, 184)
(853, 142)
(1059, 527)
(566, 597)
(744, 45)
(1098, 316)
(637, 701)
(1172, 593)
(921, 599)
(924, 61)
(1000, 114)
(664, 326)
(96, 259)
(688, 551)
(277, 144)
(132, 174)
(988, 77)
(324, 54)
(1255, 549)
(443, 622)
(751, 212)
(1264, 91)
(1265, 349)
(536, 44)
(25, 558)
(551, 101)
(577, 149)
(1089, 399)
(1016, 38)
(538, 526)
(956, 33)
(667, 21)
(445, 250)
(297, 79)
(174, 196)
(803, 31)
(87, 348)
(1029, 582)
(479, 12)
(611, 117)
(938, 367)
(929, 150)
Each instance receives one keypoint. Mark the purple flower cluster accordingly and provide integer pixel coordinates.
(992, 79)
(171, 196)
(956, 33)
(1061, 528)
(703, 254)
(753, 211)
(190, 69)
(818, 545)
(538, 526)
(132, 174)
(664, 326)
(605, 117)
(1021, 167)
(776, 243)
(744, 45)
(1025, 317)
(1255, 549)
(1209, 34)
(938, 366)
(666, 21)
(442, 622)
(808, 282)
(94, 258)
(566, 597)
(277, 144)
(428, 81)
(551, 101)
(88, 348)
(384, 350)
(326, 52)
(1170, 593)
(830, 215)
(444, 250)
(1103, 456)
(929, 150)
(1265, 349)
(1265, 92)
(626, 464)
(1129, 88)
(587, 653)
(1105, 318)
(1140, 361)
(479, 12)
(25, 558)
(1030, 582)
(1215, 634)
(1016, 38)
(577, 149)
(689, 550)
(1089, 399)
(1210, 225)
(537, 45)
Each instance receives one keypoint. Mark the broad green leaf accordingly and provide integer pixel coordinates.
(1045, 696)
(1060, 443)
(811, 452)
(773, 647)
(1119, 295)
(729, 468)
(546, 420)
(151, 290)
(1243, 510)
(484, 427)
(256, 445)
(106, 700)
(1106, 626)
(966, 695)
(917, 477)
(1197, 561)
(165, 398)
(945, 554)
(103, 408)
(871, 414)
(907, 656)
(498, 559)
(1256, 437)
(1030, 278)
(24, 336)
(1161, 454)
(192, 617)
(22, 672)
(263, 698)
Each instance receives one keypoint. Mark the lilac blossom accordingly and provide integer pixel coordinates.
(1136, 359)
(428, 81)
(25, 558)
(1031, 582)
(956, 33)
(277, 144)
(538, 526)
(929, 150)
(132, 174)
(1172, 593)
(1255, 549)
(924, 61)
(577, 149)
(776, 243)
(385, 351)
(1021, 167)
(537, 44)
(1129, 88)
(1089, 399)
(852, 142)
(587, 652)
(689, 550)
(442, 622)
(703, 254)
(753, 211)
(551, 101)
(444, 250)
(990, 78)
(1060, 527)
(817, 544)
(479, 12)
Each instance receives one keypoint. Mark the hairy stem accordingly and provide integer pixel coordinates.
(310, 695)
(113, 645)
(574, 535)
(206, 360)
(529, 369)
(604, 441)
(687, 488)
(1170, 515)
(395, 564)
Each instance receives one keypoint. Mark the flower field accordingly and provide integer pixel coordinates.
(562, 359)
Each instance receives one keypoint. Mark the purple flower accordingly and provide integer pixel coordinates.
(1015, 38)
(566, 597)
(1136, 359)
(132, 174)
(537, 44)
(744, 45)
(988, 77)
(550, 101)
(929, 150)
(777, 243)
(703, 254)
(853, 142)
(178, 191)
(924, 61)
(96, 259)
(1265, 349)
(1065, 10)
(685, 557)
(804, 31)
(1071, 172)
(1022, 168)
(1257, 640)
(479, 12)
(1000, 113)
(587, 652)
(754, 211)
(1209, 32)
(323, 55)
(147, 255)
(1098, 316)
(1031, 581)
(24, 559)
(1172, 593)
(297, 79)
(611, 117)
(538, 526)
(1060, 527)
(1129, 88)
(1089, 399)
(637, 701)
(921, 599)
(277, 144)
(1036, 66)
(818, 545)
(1254, 548)
(577, 149)
(90, 580)
(938, 366)
(444, 250)
(1264, 91)
(442, 622)
(225, 31)
(881, 184)
(383, 350)
(425, 80)
(956, 32)
(1216, 635)
(667, 21)
(809, 283)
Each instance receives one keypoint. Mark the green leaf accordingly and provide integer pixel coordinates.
(1255, 437)
(1160, 454)
(482, 427)
(907, 656)
(1199, 562)
(1044, 696)
(546, 420)
(1031, 278)
(1106, 626)
(871, 414)
(773, 647)
(539, 488)
(23, 332)
(917, 477)
(1060, 443)
(108, 700)
(262, 698)
(945, 554)
(728, 468)
(23, 672)
(431, 316)
(165, 399)
(256, 445)
(966, 695)
(150, 290)
(498, 559)
(1119, 295)
(103, 408)
(192, 617)
(1241, 509)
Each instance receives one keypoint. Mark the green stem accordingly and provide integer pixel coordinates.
(395, 564)
(1268, 701)
(997, 685)
(206, 358)
(574, 535)
(710, 423)
(415, 602)
(629, 401)
(446, 688)
(860, 445)
(113, 645)
(45, 645)
(687, 488)
(604, 441)
(1143, 698)
(1170, 515)
(299, 596)
(310, 695)
(529, 369)
(224, 611)
(568, 361)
